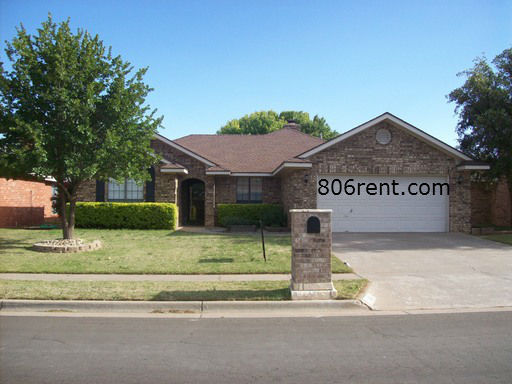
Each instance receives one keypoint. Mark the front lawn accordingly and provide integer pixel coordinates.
(160, 291)
(501, 238)
(150, 251)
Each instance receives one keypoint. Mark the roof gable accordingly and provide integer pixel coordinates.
(397, 121)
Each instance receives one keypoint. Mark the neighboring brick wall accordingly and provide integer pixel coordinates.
(501, 212)
(490, 204)
(24, 203)
(362, 155)
(481, 204)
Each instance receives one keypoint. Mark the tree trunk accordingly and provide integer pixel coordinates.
(71, 221)
(63, 215)
(509, 182)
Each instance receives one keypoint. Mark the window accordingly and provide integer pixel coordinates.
(127, 191)
(248, 190)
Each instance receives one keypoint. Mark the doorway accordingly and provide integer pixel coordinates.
(192, 202)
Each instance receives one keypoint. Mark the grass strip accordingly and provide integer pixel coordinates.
(500, 238)
(160, 291)
(150, 252)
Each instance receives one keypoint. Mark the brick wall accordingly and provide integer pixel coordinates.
(362, 155)
(24, 203)
(311, 252)
(490, 204)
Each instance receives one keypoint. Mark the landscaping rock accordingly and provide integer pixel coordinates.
(66, 246)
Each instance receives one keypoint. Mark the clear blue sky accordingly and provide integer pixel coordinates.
(348, 61)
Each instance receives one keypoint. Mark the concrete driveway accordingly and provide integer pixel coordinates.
(429, 270)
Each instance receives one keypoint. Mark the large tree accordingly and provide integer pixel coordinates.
(262, 122)
(484, 106)
(71, 110)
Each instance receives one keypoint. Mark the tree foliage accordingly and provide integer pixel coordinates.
(71, 110)
(262, 122)
(484, 106)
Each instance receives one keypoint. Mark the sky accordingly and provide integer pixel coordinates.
(347, 61)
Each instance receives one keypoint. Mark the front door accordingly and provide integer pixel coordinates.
(192, 208)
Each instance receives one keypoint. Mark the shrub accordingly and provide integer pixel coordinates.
(235, 220)
(270, 214)
(126, 215)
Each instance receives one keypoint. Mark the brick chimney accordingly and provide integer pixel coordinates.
(292, 124)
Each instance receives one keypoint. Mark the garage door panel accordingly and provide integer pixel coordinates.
(375, 213)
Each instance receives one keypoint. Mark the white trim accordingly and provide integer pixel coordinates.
(256, 174)
(473, 167)
(184, 150)
(289, 164)
(286, 164)
(174, 170)
(219, 173)
(387, 116)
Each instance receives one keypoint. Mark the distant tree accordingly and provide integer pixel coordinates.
(262, 122)
(484, 106)
(71, 111)
(256, 123)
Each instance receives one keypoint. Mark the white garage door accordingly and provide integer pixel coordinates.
(376, 204)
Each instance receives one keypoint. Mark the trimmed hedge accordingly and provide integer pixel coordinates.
(126, 215)
(270, 214)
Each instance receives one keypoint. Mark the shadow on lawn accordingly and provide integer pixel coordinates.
(218, 260)
(10, 245)
(213, 295)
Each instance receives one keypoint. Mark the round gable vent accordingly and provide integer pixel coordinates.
(383, 136)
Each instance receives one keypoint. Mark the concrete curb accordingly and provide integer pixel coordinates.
(184, 307)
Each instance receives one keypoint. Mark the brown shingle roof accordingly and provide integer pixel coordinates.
(250, 153)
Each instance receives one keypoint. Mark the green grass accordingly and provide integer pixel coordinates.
(160, 291)
(501, 238)
(150, 251)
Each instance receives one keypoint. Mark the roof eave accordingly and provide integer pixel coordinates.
(175, 170)
(477, 167)
(290, 164)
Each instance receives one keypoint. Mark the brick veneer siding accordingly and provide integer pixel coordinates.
(24, 203)
(167, 185)
(226, 189)
(490, 204)
(87, 191)
(362, 155)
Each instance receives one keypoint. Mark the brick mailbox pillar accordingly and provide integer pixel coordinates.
(311, 254)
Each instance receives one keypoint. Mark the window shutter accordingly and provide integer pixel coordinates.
(100, 190)
(150, 186)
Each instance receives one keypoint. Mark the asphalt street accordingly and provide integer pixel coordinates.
(433, 348)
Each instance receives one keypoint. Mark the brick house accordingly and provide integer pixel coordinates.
(25, 203)
(286, 167)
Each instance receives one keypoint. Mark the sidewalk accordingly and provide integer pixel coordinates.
(125, 277)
